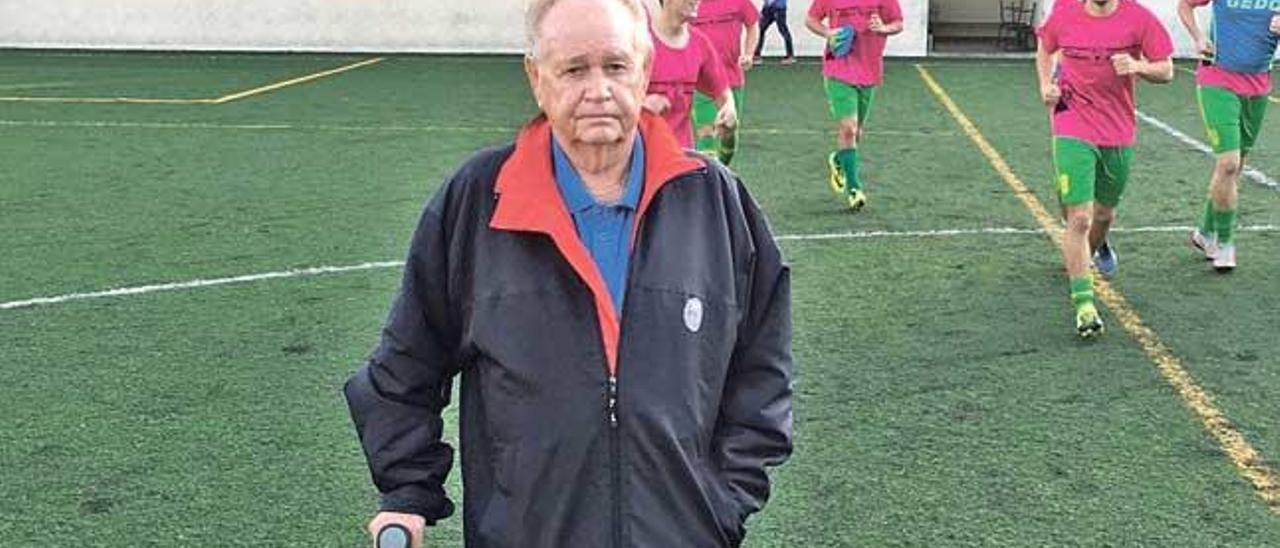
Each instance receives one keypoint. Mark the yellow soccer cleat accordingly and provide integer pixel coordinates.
(838, 180)
(857, 200)
(1088, 322)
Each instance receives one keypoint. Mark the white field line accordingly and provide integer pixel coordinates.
(324, 270)
(1253, 173)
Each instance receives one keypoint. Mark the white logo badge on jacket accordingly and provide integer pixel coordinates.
(693, 314)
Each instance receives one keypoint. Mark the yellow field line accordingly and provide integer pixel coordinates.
(210, 101)
(295, 81)
(1247, 460)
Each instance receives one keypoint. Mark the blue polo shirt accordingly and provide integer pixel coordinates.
(605, 229)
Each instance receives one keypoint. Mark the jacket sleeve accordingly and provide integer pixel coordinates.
(397, 398)
(754, 428)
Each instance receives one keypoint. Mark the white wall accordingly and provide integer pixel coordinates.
(968, 11)
(367, 25)
(318, 25)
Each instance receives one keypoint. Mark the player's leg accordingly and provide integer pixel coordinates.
(1226, 190)
(1111, 180)
(1222, 111)
(766, 20)
(842, 99)
(1075, 163)
(727, 144)
(704, 122)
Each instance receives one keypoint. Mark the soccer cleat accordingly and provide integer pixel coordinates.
(1088, 322)
(1106, 260)
(788, 61)
(1225, 259)
(838, 179)
(1205, 244)
(857, 200)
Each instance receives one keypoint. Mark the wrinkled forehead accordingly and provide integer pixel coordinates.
(575, 29)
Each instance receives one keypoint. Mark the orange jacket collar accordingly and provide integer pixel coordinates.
(529, 201)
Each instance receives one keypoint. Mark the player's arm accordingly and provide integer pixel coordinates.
(726, 111)
(1187, 14)
(878, 26)
(749, 46)
(1156, 72)
(817, 26)
(1050, 93)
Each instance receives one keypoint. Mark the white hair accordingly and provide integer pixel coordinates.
(537, 11)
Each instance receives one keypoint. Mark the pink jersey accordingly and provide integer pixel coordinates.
(676, 73)
(1097, 104)
(1249, 85)
(723, 22)
(864, 66)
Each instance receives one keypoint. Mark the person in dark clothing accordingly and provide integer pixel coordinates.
(616, 309)
(775, 11)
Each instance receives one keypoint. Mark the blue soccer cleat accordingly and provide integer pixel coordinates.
(1106, 260)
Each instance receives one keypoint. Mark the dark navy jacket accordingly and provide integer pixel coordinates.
(579, 429)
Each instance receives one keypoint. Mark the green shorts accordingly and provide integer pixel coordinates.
(1087, 173)
(1232, 121)
(704, 109)
(849, 101)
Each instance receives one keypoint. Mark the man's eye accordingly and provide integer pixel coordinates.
(576, 71)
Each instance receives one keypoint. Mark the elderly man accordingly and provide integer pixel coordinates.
(618, 313)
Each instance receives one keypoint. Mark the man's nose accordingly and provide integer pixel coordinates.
(599, 87)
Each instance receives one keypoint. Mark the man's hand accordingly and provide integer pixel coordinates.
(746, 61)
(656, 104)
(1126, 65)
(726, 119)
(1205, 47)
(1051, 94)
(877, 25)
(415, 524)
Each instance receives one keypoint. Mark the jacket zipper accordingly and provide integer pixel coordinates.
(616, 469)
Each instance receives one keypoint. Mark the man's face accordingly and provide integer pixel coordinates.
(589, 75)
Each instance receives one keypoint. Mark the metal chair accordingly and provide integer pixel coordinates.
(1016, 25)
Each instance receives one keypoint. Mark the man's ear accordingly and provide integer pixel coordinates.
(531, 71)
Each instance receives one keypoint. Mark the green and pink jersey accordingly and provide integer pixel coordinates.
(1097, 105)
(864, 65)
(678, 72)
(723, 22)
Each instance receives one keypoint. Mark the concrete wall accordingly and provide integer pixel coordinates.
(968, 11)
(494, 26)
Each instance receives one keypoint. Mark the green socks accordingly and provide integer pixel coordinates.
(1206, 219)
(1218, 222)
(1225, 222)
(848, 160)
(1082, 291)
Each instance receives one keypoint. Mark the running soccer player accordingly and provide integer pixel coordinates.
(1233, 86)
(1102, 45)
(684, 60)
(852, 67)
(724, 22)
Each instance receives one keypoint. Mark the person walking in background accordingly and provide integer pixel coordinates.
(734, 30)
(1233, 87)
(775, 11)
(685, 61)
(856, 32)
